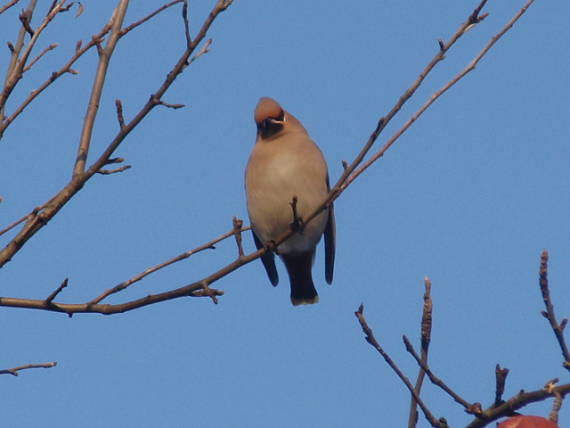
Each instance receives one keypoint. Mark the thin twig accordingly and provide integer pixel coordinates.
(58, 290)
(94, 306)
(208, 246)
(113, 171)
(369, 336)
(238, 227)
(350, 173)
(53, 4)
(25, 19)
(172, 106)
(186, 24)
(380, 153)
(21, 220)
(115, 160)
(135, 24)
(16, 73)
(80, 10)
(556, 405)
(500, 380)
(14, 58)
(154, 100)
(151, 299)
(36, 59)
(549, 314)
(426, 325)
(14, 371)
(8, 6)
(475, 15)
(79, 52)
(204, 50)
(469, 408)
(206, 291)
(120, 117)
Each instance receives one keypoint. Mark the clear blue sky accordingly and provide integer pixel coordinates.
(470, 196)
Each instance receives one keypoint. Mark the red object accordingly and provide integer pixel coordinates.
(527, 422)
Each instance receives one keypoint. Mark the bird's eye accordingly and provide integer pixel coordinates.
(275, 120)
(271, 126)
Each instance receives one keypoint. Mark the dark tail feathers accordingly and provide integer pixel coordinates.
(299, 266)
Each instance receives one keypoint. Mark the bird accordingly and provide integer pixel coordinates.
(286, 179)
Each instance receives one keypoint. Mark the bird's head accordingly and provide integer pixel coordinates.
(269, 117)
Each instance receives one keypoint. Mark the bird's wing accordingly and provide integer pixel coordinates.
(330, 243)
(268, 260)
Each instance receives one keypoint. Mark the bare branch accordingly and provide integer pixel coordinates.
(115, 160)
(369, 336)
(186, 24)
(120, 117)
(426, 339)
(515, 403)
(205, 49)
(549, 314)
(557, 402)
(58, 290)
(238, 227)
(444, 89)
(350, 173)
(8, 6)
(475, 17)
(104, 58)
(79, 51)
(195, 289)
(17, 68)
(113, 171)
(172, 106)
(36, 59)
(148, 17)
(53, 4)
(208, 246)
(14, 371)
(441, 44)
(80, 10)
(21, 220)
(154, 100)
(57, 202)
(108, 309)
(25, 19)
(68, 7)
(500, 380)
(15, 51)
(212, 293)
(469, 408)
(427, 317)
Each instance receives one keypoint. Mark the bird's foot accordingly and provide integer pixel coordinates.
(271, 246)
(298, 224)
